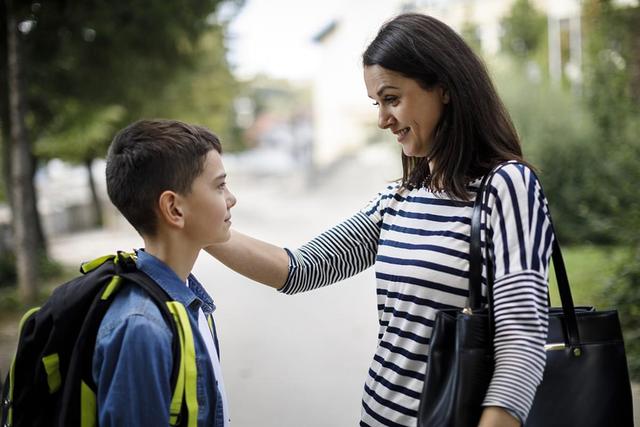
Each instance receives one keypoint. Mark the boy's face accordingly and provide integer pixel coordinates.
(207, 207)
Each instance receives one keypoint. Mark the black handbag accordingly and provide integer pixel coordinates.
(585, 382)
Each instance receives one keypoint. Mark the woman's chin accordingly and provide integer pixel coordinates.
(413, 152)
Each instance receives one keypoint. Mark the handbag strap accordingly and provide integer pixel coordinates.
(476, 263)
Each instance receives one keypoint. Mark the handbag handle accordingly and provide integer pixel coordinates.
(476, 262)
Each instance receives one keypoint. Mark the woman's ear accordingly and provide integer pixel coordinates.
(170, 210)
(444, 94)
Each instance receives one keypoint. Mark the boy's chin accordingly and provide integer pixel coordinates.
(220, 239)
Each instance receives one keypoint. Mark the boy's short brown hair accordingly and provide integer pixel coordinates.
(149, 157)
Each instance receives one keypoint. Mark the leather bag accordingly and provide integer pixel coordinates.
(585, 382)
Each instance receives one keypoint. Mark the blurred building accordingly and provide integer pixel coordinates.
(343, 116)
(274, 117)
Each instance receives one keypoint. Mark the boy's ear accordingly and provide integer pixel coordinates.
(170, 209)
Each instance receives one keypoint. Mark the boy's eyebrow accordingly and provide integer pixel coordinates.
(220, 177)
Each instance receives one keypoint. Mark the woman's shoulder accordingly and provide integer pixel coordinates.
(513, 175)
(376, 206)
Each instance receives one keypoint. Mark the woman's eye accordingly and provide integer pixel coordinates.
(386, 100)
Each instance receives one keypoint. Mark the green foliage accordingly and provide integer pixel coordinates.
(590, 269)
(95, 66)
(612, 66)
(524, 30)
(203, 94)
(624, 294)
(556, 133)
(7, 269)
(13, 308)
(77, 135)
(612, 94)
(48, 269)
(586, 147)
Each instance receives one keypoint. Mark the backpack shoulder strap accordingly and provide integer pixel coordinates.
(184, 403)
(80, 368)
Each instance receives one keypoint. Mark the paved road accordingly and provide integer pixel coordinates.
(288, 361)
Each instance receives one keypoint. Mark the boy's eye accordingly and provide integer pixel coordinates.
(375, 104)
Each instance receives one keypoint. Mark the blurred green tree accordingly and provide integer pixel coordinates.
(524, 29)
(203, 93)
(624, 294)
(80, 136)
(585, 146)
(91, 66)
(612, 95)
(612, 91)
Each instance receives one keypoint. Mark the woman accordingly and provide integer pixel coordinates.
(435, 96)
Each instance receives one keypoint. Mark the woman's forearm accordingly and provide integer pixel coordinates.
(493, 416)
(253, 258)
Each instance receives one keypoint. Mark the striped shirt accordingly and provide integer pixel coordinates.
(419, 243)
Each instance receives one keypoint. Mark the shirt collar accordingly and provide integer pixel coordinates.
(169, 281)
(205, 299)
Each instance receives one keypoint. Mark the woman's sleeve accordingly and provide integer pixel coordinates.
(340, 252)
(521, 236)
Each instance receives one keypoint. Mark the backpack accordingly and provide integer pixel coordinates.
(50, 381)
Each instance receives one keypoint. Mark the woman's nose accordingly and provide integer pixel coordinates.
(384, 119)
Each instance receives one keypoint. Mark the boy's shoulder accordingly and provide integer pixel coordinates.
(132, 305)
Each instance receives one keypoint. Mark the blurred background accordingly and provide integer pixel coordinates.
(280, 82)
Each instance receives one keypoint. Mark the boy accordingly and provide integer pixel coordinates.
(168, 180)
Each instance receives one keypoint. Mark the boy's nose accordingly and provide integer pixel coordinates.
(231, 200)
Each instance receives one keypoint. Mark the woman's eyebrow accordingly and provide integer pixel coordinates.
(385, 87)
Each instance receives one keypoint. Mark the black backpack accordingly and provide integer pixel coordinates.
(50, 381)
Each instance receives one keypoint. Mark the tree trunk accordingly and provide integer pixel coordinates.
(21, 184)
(5, 143)
(41, 240)
(95, 200)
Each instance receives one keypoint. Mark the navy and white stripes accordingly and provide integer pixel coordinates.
(419, 242)
(336, 254)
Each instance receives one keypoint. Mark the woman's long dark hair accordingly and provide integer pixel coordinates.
(475, 132)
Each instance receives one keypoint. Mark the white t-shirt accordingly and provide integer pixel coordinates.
(203, 325)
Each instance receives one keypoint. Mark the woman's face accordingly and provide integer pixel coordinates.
(404, 107)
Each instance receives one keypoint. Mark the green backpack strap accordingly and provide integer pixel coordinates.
(186, 384)
(184, 400)
(7, 395)
(121, 257)
(89, 266)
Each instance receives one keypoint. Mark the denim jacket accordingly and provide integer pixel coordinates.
(132, 362)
